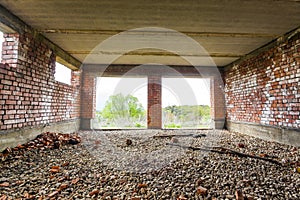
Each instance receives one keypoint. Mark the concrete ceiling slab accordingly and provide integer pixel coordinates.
(227, 29)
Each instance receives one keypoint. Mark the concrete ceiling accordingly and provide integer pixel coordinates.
(226, 29)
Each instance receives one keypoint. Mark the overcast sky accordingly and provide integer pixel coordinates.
(175, 91)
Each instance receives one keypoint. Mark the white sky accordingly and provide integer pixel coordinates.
(62, 73)
(175, 91)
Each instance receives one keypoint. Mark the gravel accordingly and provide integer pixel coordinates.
(106, 166)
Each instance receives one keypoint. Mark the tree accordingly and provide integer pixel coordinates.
(186, 115)
(123, 108)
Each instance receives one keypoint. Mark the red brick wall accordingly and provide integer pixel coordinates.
(29, 94)
(217, 101)
(265, 89)
(88, 97)
(154, 117)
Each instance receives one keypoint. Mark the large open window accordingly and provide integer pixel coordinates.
(121, 103)
(185, 103)
(62, 73)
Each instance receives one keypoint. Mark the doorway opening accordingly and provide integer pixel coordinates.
(186, 103)
(121, 103)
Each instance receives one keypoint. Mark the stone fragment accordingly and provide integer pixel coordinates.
(94, 192)
(52, 194)
(241, 145)
(28, 196)
(74, 181)
(4, 184)
(128, 142)
(54, 171)
(200, 181)
(142, 185)
(136, 198)
(201, 190)
(65, 164)
(181, 197)
(239, 195)
(63, 186)
(174, 140)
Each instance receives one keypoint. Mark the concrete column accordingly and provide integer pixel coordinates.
(154, 115)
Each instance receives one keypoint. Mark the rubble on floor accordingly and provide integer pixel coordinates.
(103, 165)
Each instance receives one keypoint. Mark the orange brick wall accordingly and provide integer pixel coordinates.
(217, 101)
(29, 94)
(88, 95)
(265, 89)
(154, 118)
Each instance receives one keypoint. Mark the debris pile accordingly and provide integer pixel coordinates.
(43, 141)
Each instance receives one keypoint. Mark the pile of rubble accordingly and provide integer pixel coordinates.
(43, 141)
(212, 165)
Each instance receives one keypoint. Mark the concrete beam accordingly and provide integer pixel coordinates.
(144, 70)
(264, 48)
(13, 23)
(157, 53)
(191, 34)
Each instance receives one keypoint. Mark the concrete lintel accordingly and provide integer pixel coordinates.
(13, 23)
(12, 138)
(158, 53)
(136, 32)
(145, 70)
(270, 133)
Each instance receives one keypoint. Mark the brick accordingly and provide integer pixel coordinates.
(6, 82)
(10, 112)
(277, 85)
(10, 102)
(12, 121)
(27, 81)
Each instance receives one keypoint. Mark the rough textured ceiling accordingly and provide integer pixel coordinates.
(227, 29)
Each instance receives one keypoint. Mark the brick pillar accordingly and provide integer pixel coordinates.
(217, 100)
(154, 116)
(88, 100)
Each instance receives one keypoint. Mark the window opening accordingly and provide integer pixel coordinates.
(62, 73)
(185, 103)
(121, 103)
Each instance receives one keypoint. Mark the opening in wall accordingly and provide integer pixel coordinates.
(62, 73)
(121, 102)
(186, 103)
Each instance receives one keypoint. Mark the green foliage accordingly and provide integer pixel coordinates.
(186, 116)
(138, 125)
(172, 125)
(122, 110)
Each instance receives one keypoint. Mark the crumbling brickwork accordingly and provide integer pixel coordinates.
(265, 89)
(29, 94)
